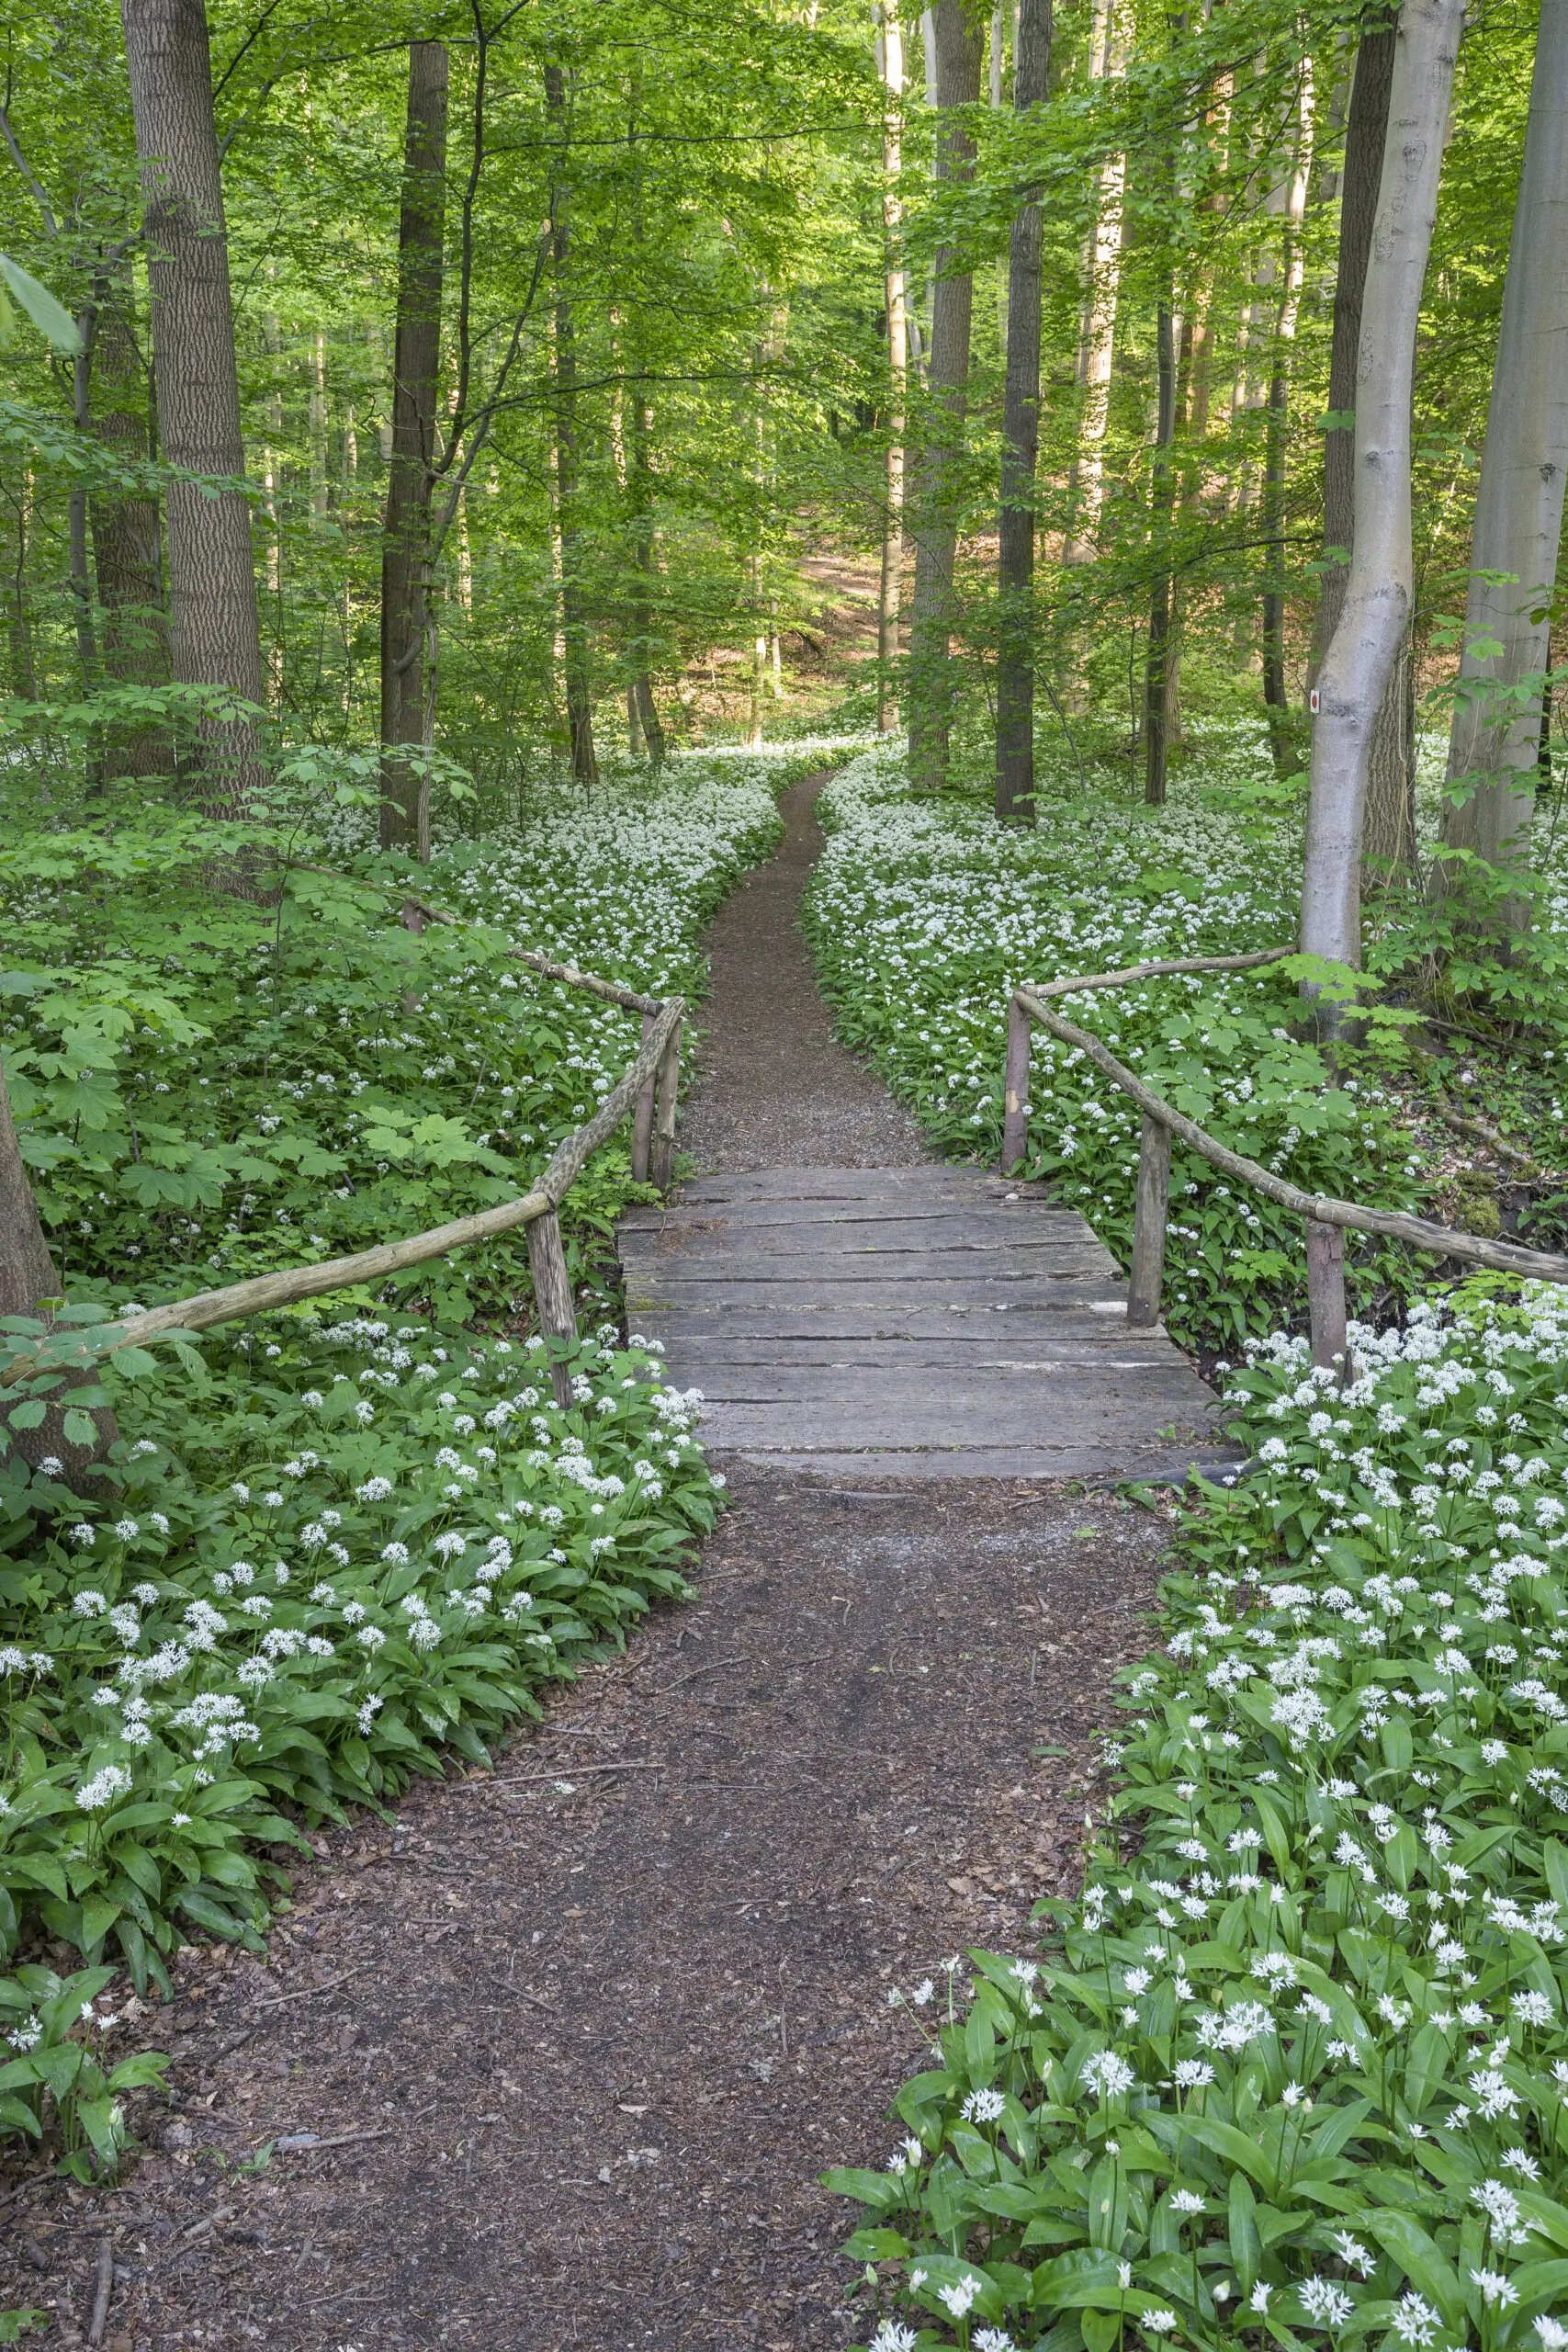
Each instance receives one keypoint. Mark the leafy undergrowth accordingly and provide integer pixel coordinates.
(337, 1547)
(925, 914)
(207, 1089)
(1299, 2069)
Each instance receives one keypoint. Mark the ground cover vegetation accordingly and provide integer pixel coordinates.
(398, 411)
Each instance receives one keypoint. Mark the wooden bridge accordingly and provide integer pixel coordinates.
(919, 1321)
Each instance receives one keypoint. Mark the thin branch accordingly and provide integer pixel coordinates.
(34, 183)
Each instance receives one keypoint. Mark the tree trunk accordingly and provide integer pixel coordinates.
(1494, 745)
(1288, 202)
(573, 613)
(19, 615)
(1102, 272)
(1020, 445)
(1365, 138)
(1364, 649)
(959, 50)
(1161, 498)
(1389, 839)
(214, 638)
(126, 552)
(890, 49)
(640, 486)
(416, 368)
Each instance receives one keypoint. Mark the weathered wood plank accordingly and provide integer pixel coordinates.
(905, 1425)
(1029, 1464)
(762, 1217)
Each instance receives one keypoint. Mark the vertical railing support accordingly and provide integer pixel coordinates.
(552, 1297)
(642, 1116)
(664, 1130)
(1015, 1085)
(1325, 1292)
(1149, 1227)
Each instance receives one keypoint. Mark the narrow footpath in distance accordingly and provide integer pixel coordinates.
(554, 2060)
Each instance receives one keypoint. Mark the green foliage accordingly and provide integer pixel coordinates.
(57, 2071)
(1295, 2065)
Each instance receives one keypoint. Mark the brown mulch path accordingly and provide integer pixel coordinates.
(584, 2049)
(554, 2060)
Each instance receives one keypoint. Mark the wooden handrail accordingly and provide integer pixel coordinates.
(1327, 1218)
(657, 1066)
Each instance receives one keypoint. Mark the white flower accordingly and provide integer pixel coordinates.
(959, 2298)
(110, 1781)
(1326, 2302)
(983, 2106)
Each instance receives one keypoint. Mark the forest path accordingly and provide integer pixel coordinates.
(554, 2060)
(846, 1306)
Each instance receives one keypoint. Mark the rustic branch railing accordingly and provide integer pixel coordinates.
(1326, 1219)
(647, 1089)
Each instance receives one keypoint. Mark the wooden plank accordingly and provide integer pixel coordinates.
(905, 1426)
(1025, 1463)
(879, 1236)
(918, 1217)
(1034, 1396)
(701, 1354)
(848, 1183)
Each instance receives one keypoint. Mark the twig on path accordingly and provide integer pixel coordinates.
(522, 1993)
(102, 2290)
(582, 1772)
(742, 1658)
(309, 1992)
(306, 2143)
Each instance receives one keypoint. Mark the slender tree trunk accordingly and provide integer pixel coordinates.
(573, 612)
(1021, 444)
(27, 1277)
(1364, 649)
(1288, 202)
(959, 50)
(126, 549)
(1162, 493)
(416, 368)
(641, 490)
(1102, 273)
(1365, 139)
(320, 494)
(214, 638)
(1494, 745)
(891, 51)
(19, 614)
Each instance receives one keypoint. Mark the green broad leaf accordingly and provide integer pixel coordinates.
(1429, 2270)
(28, 1416)
(51, 318)
(79, 1428)
(1234, 2147)
(1247, 2248)
(873, 2246)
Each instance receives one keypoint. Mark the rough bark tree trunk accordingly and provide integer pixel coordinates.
(890, 52)
(573, 612)
(214, 638)
(26, 1277)
(416, 366)
(1495, 736)
(1021, 447)
(960, 48)
(126, 550)
(1288, 202)
(1362, 653)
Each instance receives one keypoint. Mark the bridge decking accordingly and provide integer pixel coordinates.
(917, 1321)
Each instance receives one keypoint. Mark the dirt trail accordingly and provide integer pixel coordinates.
(574, 2043)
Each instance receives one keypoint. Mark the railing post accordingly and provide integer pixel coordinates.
(1148, 1227)
(669, 1089)
(552, 1297)
(642, 1117)
(1015, 1084)
(1325, 1292)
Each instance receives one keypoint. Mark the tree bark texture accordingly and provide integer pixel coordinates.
(573, 611)
(1361, 657)
(126, 550)
(1287, 201)
(890, 55)
(214, 638)
(1021, 447)
(27, 1276)
(960, 49)
(1495, 736)
(416, 368)
(1365, 137)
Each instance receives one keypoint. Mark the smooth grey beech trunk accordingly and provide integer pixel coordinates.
(1495, 735)
(214, 638)
(1366, 134)
(960, 52)
(416, 378)
(1361, 657)
(1020, 444)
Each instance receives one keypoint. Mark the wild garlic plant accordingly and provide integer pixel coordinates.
(1294, 2065)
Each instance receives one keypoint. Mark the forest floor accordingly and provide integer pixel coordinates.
(554, 2059)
